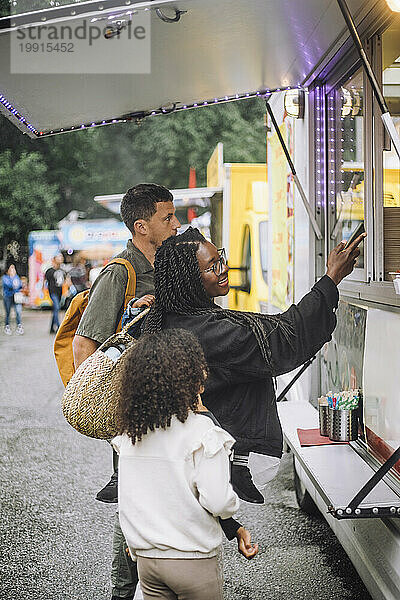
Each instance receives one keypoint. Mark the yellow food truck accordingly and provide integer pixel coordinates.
(233, 212)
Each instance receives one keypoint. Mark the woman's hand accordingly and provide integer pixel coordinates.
(245, 547)
(341, 261)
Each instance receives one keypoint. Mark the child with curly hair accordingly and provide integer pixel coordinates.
(173, 469)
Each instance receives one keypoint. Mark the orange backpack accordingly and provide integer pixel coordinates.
(63, 351)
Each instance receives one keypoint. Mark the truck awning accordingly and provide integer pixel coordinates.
(216, 51)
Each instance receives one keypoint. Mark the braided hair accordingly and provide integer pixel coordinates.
(179, 289)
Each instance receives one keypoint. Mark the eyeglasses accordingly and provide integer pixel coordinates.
(218, 266)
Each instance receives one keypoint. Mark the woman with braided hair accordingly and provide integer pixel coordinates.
(244, 351)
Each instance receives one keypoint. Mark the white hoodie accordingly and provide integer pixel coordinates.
(173, 485)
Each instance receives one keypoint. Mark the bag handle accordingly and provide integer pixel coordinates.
(116, 337)
(135, 320)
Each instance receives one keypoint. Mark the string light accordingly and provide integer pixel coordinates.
(139, 115)
(319, 106)
(331, 147)
(14, 112)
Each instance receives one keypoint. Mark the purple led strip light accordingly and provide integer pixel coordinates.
(331, 118)
(160, 111)
(319, 144)
(258, 94)
(16, 114)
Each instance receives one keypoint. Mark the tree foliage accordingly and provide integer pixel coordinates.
(5, 8)
(43, 180)
(170, 144)
(81, 165)
(27, 200)
(109, 160)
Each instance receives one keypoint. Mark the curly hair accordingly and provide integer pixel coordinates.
(161, 376)
(179, 289)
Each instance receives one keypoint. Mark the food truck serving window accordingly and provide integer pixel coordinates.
(345, 157)
(390, 163)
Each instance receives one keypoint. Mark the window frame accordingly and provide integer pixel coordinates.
(360, 274)
(376, 289)
(245, 269)
(368, 283)
(264, 225)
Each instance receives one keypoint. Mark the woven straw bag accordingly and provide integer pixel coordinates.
(90, 399)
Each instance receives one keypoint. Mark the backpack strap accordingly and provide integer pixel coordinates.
(131, 284)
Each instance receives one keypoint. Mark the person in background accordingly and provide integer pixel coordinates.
(54, 278)
(78, 274)
(94, 272)
(11, 286)
(169, 514)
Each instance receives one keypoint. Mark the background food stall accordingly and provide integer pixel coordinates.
(96, 241)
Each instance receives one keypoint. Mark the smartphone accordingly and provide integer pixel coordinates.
(358, 231)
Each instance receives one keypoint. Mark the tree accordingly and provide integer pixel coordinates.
(27, 200)
(82, 164)
(4, 8)
(85, 164)
(165, 147)
(42, 180)
(109, 160)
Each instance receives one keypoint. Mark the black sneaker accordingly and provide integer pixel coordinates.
(120, 598)
(243, 485)
(109, 493)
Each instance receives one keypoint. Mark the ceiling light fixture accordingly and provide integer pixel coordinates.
(294, 103)
(393, 5)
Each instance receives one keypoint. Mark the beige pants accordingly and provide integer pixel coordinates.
(180, 579)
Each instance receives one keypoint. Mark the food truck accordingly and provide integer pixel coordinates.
(329, 71)
(95, 240)
(42, 246)
(239, 223)
(232, 211)
(351, 169)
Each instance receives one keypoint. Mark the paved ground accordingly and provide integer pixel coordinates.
(55, 538)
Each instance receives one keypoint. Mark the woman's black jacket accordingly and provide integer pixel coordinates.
(240, 388)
